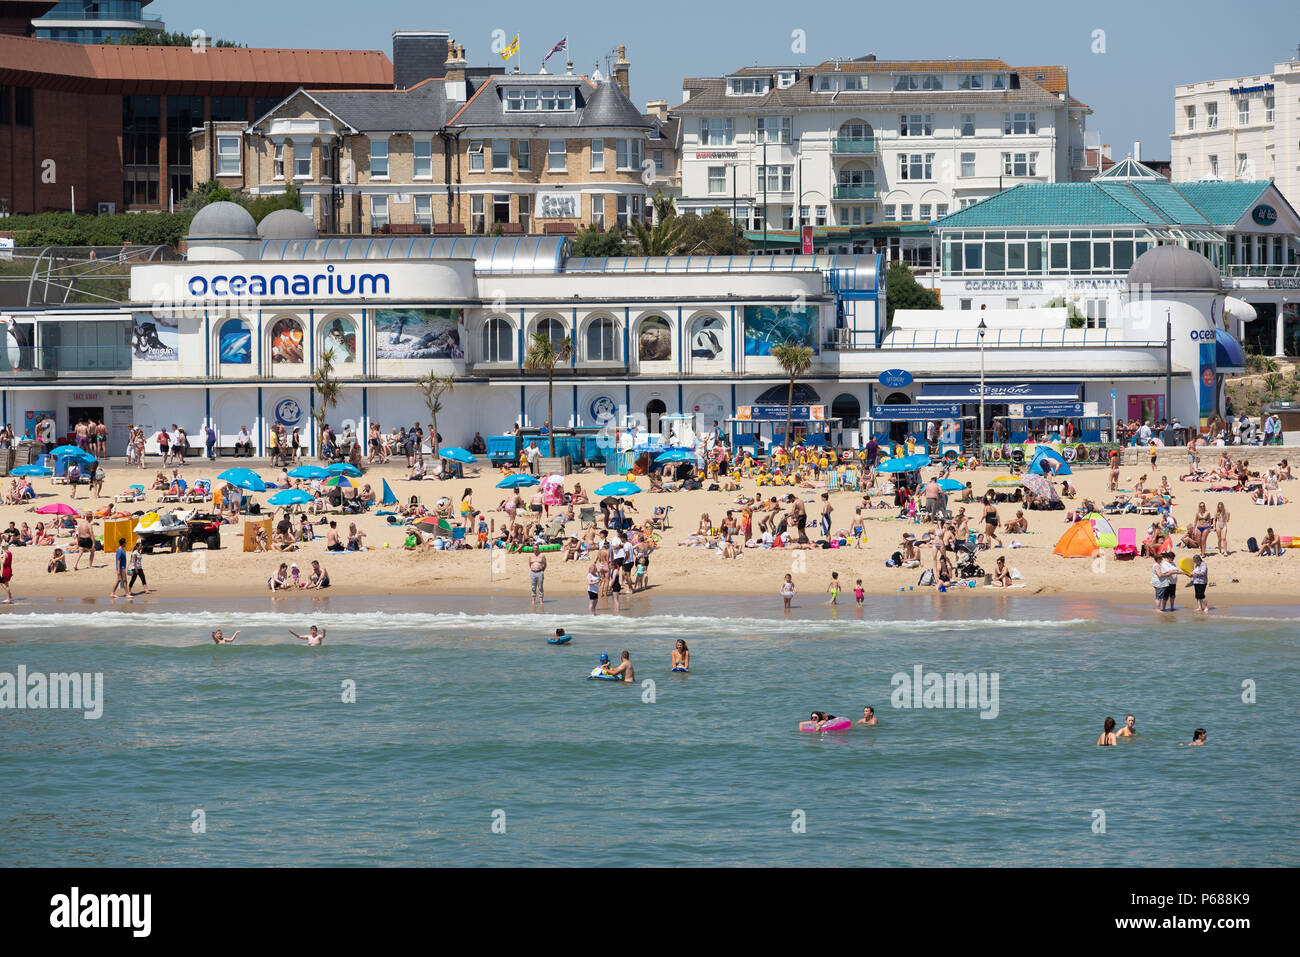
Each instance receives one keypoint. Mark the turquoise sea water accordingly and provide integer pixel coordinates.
(464, 716)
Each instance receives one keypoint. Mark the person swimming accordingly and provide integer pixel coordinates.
(560, 635)
(219, 639)
(1128, 731)
(313, 636)
(1107, 733)
(1198, 738)
(868, 717)
(624, 669)
(681, 657)
(604, 665)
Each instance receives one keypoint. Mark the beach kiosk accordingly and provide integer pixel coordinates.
(808, 425)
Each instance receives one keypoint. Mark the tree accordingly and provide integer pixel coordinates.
(665, 237)
(147, 38)
(795, 360)
(434, 387)
(591, 244)
(903, 292)
(1076, 318)
(545, 354)
(328, 388)
(712, 233)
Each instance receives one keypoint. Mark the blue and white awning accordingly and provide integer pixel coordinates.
(1228, 354)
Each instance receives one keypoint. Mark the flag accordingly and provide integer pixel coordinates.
(562, 45)
(512, 49)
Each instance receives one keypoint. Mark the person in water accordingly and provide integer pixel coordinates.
(605, 668)
(313, 637)
(1107, 733)
(559, 633)
(624, 669)
(1198, 738)
(869, 717)
(1128, 731)
(681, 657)
(821, 719)
(834, 587)
(220, 639)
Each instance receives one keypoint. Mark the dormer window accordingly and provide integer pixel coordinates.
(748, 85)
(908, 82)
(855, 83)
(823, 84)
(999, 81)
(971, 81)
(785, 80)
(544, 100)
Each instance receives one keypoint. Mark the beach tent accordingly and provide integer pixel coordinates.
(1078, 541)
(1036, 466)
(1105, 532)
(388, 497)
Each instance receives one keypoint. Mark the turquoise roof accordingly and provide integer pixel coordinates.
(1116, 202)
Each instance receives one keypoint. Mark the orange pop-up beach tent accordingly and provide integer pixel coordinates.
(1078, 541)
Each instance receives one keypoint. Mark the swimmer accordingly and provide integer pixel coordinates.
(821, 718)
(787, 591)
(559, 634)
(220, 639)
(625, 668)
(1198, 738)
(869, 717)
(1128, 731)
(834, 587)
(1107, 733)
(681, 656)
(313, 637)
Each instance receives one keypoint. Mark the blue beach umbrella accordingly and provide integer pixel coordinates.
(290, 496)
(906, 463)
(70, 451)
(246, 479)
(618, 489)
(309, 472)
(27, 470)
(343, 468)
(951, 485)
(517, 481)
(676, 455)
(457, 455)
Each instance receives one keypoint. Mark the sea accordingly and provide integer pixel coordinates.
(447, 731)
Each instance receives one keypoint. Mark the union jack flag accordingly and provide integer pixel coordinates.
(562, 45)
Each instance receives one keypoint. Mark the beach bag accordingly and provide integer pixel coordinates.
(927, 577)
(894, 560)
(1252, 545)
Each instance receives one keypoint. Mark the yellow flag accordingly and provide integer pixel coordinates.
(512, 49)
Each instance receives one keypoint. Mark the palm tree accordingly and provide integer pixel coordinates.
(433, 387)
(795, 360)
(663, 239)
(544, 353)
(328, 388)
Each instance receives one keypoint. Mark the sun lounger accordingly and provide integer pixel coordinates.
(132, 493)
(1126, 547)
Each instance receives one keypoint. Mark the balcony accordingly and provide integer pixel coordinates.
(853, 146)
(844, 192)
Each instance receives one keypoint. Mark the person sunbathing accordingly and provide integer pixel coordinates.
(1019, 524)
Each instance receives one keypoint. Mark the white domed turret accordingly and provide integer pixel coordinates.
(286, 224)
(221, 231)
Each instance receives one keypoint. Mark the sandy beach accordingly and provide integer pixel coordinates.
(1238, 577)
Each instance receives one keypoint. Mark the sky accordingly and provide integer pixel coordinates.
(1124, 59)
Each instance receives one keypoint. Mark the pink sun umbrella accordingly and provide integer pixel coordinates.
(57, 508)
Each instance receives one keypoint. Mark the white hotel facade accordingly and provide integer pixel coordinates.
(869, 152)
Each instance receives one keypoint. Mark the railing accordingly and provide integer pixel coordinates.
(854, 192)
(1084, 338)
(1240, 271)
(854, 145)
(46, 362)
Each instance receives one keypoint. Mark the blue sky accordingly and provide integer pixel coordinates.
(1149, 46)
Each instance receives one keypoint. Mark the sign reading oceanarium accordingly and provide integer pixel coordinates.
(271, 281)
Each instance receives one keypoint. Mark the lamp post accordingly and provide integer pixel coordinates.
(734, 173)
(979, 432)
(1167, 433)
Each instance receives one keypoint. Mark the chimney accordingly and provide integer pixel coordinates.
(658, 108)
(569, 71)
(1137, 151)
(620, 71)
(418, 55)
(454, 71)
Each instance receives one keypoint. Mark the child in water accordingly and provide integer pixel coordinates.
(834, 587)
(787, 590)
(858, 593)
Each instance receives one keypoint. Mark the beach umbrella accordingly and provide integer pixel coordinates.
(388, 497)
(309, 472)
(618, 489)
(1005, 481)
(905, 463)
(455, 454)
(290, 496)
(1040, 487)
(56, 508)
(343, 468)
(24, 471)
(70, 451)
(951, 485)
(676, 455)
(338, 481)
(522, 480)
(246, 479)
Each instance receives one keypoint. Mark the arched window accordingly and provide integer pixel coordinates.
(498, 343)
(235, 343)
(341, 339)
(856, 130)
(602, 341)
(655, 340)
(847, 409)
(553, 329)
(287, 341)
(708, 338)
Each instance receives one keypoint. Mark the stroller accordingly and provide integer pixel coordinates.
(965, 560)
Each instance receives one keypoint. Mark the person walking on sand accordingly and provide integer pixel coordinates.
(136, 564)
(119, 570)
(85, 541)
(537, 575)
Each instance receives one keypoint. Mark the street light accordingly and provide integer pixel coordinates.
(979, 432)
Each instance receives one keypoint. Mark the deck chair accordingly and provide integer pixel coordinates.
(833, 480)
(458, 534)
(176, 496)
(199, 493)
(555, 529)
(1126, 547)
(587, 516)
(660, 517)
(132, 493)
(852, 480)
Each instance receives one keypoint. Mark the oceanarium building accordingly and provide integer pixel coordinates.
(234, 334)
